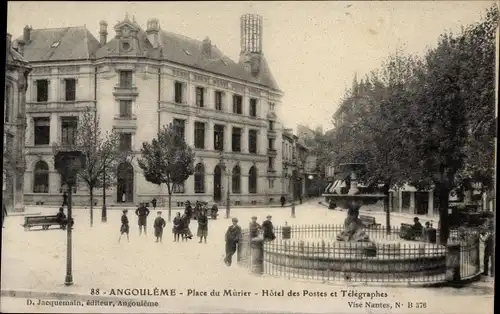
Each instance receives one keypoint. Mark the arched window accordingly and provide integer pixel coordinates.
(41, 182)
(252, 180)
(199, 178)
(236, 184)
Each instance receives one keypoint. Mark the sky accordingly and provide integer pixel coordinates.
(314, 49)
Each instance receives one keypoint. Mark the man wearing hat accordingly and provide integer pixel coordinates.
(254, 228)
(233, 236)
(268, 228)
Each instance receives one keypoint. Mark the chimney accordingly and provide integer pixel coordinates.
(206, 47)
(152, 30)
(251, 42)
(103, 32)
(27, 34)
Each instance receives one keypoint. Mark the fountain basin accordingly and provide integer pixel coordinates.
(391, 259)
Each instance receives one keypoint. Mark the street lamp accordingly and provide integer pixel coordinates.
(67, 164)
(226, 170)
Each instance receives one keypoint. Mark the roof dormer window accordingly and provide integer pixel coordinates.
(56, 44)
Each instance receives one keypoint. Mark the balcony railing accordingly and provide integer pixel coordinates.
(126, 91)
(125, 122)
(61, 106)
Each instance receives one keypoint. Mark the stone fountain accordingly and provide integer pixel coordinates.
(352, 201)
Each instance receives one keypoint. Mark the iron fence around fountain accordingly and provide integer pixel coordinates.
(310, 254)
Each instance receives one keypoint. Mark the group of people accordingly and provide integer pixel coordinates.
(233, 235)
(180, 229)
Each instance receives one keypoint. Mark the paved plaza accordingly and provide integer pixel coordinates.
(35, 262)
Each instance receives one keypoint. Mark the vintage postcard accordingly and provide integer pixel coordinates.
(250, 157)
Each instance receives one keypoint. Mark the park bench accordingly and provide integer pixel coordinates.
(408, 233)
(42, 221)
(369, 221)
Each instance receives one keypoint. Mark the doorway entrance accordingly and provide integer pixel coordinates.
(125, 183)
(217, 183)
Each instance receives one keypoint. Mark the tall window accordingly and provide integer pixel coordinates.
(42, 131)
(270, 163)
(218, 100)
(42, 90)
(199, 135)
(236, 179)
(8, 99)
(237, 104)
(271, 107)
(253, 107)
(271, 125)
(199, 178)
(252, 180)
(69, 126)
(200, 93)
(125, 142)
(179, 127)
(41, 179)
(252, 141)
(126, 79)
(125, 108)
(178, 92)
(236, 139)
(178, 188)
(70, 89)
(219, 137)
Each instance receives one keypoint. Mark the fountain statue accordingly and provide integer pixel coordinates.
(352, 201)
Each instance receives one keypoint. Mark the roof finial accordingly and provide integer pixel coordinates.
(126, 16)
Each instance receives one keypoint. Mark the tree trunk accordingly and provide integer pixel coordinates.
(169, 206)
(444, 227)
(91, 206)
(387, 209)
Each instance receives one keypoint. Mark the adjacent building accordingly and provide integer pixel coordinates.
(17, 70)
(137, 80)
(294, 155)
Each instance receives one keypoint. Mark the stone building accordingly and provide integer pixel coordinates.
(294, 159)
(139, 79)
(16, 83)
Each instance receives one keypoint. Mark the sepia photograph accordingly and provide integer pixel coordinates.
(250, 157)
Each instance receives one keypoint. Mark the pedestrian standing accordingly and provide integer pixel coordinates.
(233, 236)
(65, 199)
(142, 213)
(254, 228)
(124, 229)
(177, 228)
(153, 201)
(158, 225)
(282, 200)
(186, 231)
(202, 226)
(268, 228)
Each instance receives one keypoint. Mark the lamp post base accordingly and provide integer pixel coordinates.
(69, 280)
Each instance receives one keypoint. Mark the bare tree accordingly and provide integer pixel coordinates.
(102, 153)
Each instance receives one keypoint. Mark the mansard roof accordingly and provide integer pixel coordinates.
(77, 43)
(58, 44)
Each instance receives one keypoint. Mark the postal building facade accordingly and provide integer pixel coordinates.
(141, 79)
